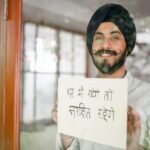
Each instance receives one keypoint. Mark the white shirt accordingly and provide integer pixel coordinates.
(139, 99)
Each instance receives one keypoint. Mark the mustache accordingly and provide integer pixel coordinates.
(103, 51)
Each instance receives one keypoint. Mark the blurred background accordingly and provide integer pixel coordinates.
(53, 45)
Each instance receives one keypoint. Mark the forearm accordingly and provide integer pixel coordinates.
(66, 140)
(63, 142)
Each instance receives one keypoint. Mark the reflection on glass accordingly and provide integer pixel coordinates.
(46, 50)
(44, 92)
(66, 53)
(46, 95)
(43, 46)
(29, 46)
(28, 97)
(79, 64)
(38, 88)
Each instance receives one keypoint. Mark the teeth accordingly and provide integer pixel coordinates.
(106, 55)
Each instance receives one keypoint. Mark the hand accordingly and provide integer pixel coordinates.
(66, 139)
(133, 129)
(54, 114)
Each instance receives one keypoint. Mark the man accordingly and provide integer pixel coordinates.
(111, 37)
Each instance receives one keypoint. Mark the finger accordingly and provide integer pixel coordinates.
(134, 122)
(134, 127)
(130, 116)
(129, 108)
(136, 119)
(130, 120)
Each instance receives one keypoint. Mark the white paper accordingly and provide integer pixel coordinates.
(94, 109)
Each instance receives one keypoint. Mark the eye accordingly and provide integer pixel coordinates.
(98, 39)
(115, 37)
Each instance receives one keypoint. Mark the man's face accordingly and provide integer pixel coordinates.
(108, 48)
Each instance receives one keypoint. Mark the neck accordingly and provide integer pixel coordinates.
(120, 73)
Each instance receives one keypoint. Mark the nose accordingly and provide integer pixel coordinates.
(106, 44)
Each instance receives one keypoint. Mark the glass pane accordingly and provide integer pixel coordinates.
(65, 52)
(37, 130)
(79, 64)
(46, 95)
(29, 46)
(38, 96)
(46, 50)
(39, 88)
(28, 98)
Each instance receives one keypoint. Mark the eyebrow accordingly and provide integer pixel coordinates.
(101, 33)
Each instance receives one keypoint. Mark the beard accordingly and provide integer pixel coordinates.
(104, 66)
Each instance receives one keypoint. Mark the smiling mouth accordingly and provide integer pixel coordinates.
(106, 53)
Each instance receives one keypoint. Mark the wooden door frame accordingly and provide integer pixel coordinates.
(10, 48)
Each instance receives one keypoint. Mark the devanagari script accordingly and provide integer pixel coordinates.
(94, 109)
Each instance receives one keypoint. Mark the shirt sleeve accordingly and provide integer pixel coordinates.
(145, 134)
(75, 145)
(146, 141)
(59, 145)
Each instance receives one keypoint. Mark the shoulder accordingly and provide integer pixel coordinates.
(137, 85)
(142, 86)
(139, 95)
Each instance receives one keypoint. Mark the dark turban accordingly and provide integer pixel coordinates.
(120, 17)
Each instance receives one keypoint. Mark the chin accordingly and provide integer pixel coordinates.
(108, 67)
(106, 70)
